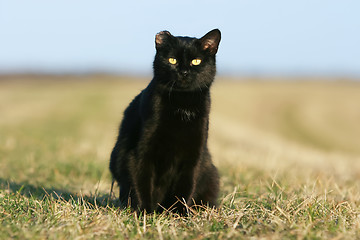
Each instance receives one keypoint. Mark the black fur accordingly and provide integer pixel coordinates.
(161, 154)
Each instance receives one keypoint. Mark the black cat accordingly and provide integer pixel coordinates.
(161, 159)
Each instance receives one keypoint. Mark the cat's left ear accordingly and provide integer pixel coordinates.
(210, 42)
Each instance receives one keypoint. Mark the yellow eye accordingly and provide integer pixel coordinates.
(172, 60)
(196, 61)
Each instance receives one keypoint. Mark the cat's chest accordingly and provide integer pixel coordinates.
(179, 135)
(185, 114)
(176, 130)
(180, 126)
(175, 145)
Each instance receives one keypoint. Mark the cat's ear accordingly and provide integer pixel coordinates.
(161, 38)
(210, 42)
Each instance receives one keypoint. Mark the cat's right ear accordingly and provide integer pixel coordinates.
(161, 38)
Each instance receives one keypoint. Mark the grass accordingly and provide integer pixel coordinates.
(288, 153)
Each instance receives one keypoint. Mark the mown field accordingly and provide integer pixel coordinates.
(288, 153)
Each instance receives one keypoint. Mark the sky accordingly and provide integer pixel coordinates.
(290, 37)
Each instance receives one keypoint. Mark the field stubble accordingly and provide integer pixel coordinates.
(287, 151)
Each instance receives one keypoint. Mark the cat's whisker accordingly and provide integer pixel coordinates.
(206, 85)
(171, 88)
(199, 86)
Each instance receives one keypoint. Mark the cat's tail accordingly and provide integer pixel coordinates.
(112, 186)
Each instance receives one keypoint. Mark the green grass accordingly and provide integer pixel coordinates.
(288, 155)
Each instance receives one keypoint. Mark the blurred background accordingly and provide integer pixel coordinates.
(285, 100)
(284, 127)
(260, 37)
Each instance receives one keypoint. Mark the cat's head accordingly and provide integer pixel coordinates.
(184, 63)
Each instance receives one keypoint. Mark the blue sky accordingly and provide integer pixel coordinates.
(258, 37)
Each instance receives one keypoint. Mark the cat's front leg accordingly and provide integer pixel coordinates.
(184, 190)
(143, 184)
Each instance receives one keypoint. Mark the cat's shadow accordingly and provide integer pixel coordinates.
(39, 192)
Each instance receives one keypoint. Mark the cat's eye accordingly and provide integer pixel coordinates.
(172, 61)
(196, 61)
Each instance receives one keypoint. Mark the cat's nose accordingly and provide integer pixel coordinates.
(184, 72)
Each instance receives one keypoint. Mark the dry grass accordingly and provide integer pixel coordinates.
(288, 153)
